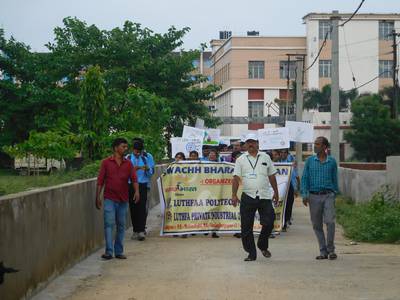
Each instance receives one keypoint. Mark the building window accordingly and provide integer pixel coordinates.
(283, 68)
(324, 28)
(325, 67)
(256, 69)
(222, 75)
(385, 30)
(207, 63)
(256, 109)
(255, 94)
(385, 68)
(196, 63)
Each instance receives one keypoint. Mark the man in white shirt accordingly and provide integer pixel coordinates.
(257, 173)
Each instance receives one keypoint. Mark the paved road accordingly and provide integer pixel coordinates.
(204, 268)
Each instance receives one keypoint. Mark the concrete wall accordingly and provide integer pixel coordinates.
(393, 174)
(45, 231)
(360, 185)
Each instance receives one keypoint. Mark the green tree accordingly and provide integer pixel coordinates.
(31, 97)
(50, 145)
(133, 56)
(321, 99)
(149, 85)
(93, 109)
(374, 134)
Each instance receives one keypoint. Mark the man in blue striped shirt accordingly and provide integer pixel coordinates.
(319, 187)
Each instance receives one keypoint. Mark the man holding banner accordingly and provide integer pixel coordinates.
(257, 173)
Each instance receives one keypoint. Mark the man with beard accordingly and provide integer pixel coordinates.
(257, 173)
(319, 187)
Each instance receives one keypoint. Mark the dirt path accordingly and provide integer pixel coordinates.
(204, 268)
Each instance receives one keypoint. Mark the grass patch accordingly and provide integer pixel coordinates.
(11, 182)
(375, 221)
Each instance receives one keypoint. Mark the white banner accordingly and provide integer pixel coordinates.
(300, 131)
(196, 198)
(273, 138)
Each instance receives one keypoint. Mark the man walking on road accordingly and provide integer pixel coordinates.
(114, 174)
(319, 187)
(257, 173)
(143, 164)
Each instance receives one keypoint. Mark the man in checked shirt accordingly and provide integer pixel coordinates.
(319, 186)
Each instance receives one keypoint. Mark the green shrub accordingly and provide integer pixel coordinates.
(375, 221)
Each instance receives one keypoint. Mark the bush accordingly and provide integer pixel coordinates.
(375, 221)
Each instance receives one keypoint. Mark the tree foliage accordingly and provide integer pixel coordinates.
(146, 86)
(93, 111)
(374, 134)
(321, 99)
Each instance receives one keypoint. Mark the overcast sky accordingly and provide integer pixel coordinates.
(33, 21)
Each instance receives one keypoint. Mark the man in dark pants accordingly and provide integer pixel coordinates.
(286, 157)
(144, 166)
(257, 173)
(319, 186)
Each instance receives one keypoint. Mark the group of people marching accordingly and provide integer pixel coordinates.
(126, 181)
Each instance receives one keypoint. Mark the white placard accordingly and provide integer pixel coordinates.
(212, 136)
(273, 138)
(179, 144)
(301, 132)
(193, 133)
(199, 123)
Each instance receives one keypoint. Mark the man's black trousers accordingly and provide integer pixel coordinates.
(248, 208)
(289, 205)
(138, 210)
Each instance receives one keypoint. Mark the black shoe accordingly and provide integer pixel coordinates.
(319, 257)
(215, 235)
(120, 256)
(332, 256)
(106, 256)
(250, 258)
(266, 253)
(238, 235)
(284, 228)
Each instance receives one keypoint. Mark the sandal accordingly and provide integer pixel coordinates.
(332, 256)
(106, 256)
(249, 258)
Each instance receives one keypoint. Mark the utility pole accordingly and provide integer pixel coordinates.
(299, 103)
(288, 86)
(201, 66)
(395, 100)
(335, 146)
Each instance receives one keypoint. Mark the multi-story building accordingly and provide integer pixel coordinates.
(252, 73)
(365, 50)
(252, 70)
